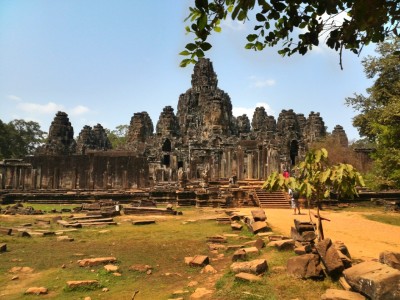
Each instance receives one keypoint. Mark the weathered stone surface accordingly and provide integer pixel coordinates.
(340, 136)
(3, 247)
(257, 266)
(216, 247)
(247, 277)
(201, 293)
(259, 244)
(140, 128)
(37, 291)
(259, 215)
(330, 257)
(390, 258)
(375, 280)
(21, 270)
(305, 236)
(332, 294)
(282, 244)
(236, 226)
(216, 239)
(140, 268)
(208, 269)
(81, 283)
(304, 266)
(259, 226)
(92, 139)
(143, 222)
(199, 261)
(168, 124)
(239, 254)
(251, 250)
(111, 268)
(88, 262)
(65, 238)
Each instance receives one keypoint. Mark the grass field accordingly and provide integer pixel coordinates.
(163, 246)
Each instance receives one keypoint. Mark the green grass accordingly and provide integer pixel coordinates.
(392, 219)
(162, 245)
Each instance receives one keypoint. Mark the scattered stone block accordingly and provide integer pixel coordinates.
(276, 237)
(302, 226)
(216, 247)
(247, 277)
(234, 247)
(231, 235)
(88, 262)
(257, 266)
(3, 247)
(235, 218)
(36, 291)
(236, 226)
(251, 250)
(188, 259)
(304, 266)
(259, 226)
(201, 293)
(208, 269)
(143, 222)
(216, 239)
(330, 257)
(239, 254)
(375, 280)
(21, 270)
(81, 283)
(390, 258)
(5, 231)
(140, 268)
(265, 234)
(64, 238)
(259, 244)
(305, 236)
(259, 215)
(341, 247)
(111, 268)
(282, 244)
(199, 261)
(333, 294)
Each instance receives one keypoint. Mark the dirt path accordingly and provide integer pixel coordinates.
(365, 239)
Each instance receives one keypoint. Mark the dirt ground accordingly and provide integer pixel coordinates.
(365, 239)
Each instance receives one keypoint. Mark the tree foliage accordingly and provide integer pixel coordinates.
(379, 111)
(296, 26)
(316, 180)
(117, 136)
(19, 138)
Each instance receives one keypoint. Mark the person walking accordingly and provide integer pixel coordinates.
(294, 200)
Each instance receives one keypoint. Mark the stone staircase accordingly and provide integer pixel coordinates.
(267, 199)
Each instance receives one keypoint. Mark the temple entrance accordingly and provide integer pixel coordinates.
(294, 151)
(166, 147)
(166, 160)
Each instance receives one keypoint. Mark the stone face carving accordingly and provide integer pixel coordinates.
(92, 139)
(315, 128)
(61, 137)
(243, 124)
(140, 128)
(168, 123)
(340, 136)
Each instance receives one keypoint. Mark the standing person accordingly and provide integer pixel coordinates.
(286, 173)
(294, 200)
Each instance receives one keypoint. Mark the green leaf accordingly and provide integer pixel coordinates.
(202, 22)
(205, 46)
(199, 53)
(184, 63)
(185, 52)
(260, 17)
(252, 37)
(217, 29)
(249, 46)
(191, 47)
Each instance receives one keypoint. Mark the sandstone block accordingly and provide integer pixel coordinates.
(199, 261)
(201, 293)
(332, 294)
(330, 257)
(140, 267)
(259, 215)
(259, 226)
(304, 266)
(239, 254)
(375, 280)
(257, 266)
(81, 283)
(282, 244)
(390, 258)
(111, 268)
(236, 226)
(88, 262)
(247, 277)
(36, 291)
(3, 247)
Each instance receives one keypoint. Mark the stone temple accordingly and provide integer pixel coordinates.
(201, 142)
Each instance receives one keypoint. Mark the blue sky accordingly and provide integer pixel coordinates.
(101, 61)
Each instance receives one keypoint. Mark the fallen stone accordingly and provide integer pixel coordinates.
(111, 268)
(140, 268)
(21, 270)
(345, 260)
(180, 292)
(251, 250)
(235, 218)
(143, 222)
(216, 239)
(104, 290)
(208, 269)
(5, 231)
(192, 283)
(188, 259)
(36, 291)
(304, 266)
(96, 261)
(216, 247)
(232, 235)
(234, 247)
(257, 266)
(302, 226)
(81, 283)
(282, 244)
(276, 237)
(330, 257)
(258, 215)
(236, 226)
(341, 247)
(259, 226)
(332, 294)
(117, 274)
(259, 244)
(64, 238)
(265, 234)
(247, 277)
(390, 258)
(374, 279)
(201, 293)
(199, 261)
(3, 247)
(239, 254)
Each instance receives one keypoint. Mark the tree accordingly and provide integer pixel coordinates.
(295, 25)
(379, 118)
(316, 180)
(19, 138)
(117, 137)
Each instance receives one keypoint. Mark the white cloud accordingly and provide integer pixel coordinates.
(249, 111)
(35, 108)
(233, 25)
(14, 98)
(260, 83)
(79, 110)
